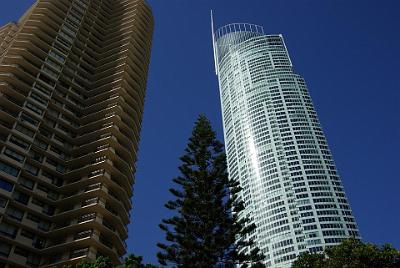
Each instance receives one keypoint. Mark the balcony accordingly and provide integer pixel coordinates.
(89, 202)
(83, 234)
(78, 253)
(87, 217)
(92, 187)
(9, 112)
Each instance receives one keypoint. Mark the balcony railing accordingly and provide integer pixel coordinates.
(78, 253)
(84, 234)
(92, 187)
(87, 217)
(90, 201)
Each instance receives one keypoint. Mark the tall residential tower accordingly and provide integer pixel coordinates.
(276, 148)
(72, 85)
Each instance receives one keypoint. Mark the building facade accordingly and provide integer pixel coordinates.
(276, 148)
(72, 84)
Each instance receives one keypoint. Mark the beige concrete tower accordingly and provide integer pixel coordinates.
(72, 85)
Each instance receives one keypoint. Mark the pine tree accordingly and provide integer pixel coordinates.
(206, 231)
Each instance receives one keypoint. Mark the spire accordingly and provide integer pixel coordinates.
(214, 43)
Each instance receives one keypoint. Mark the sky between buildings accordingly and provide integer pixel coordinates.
(347, 51)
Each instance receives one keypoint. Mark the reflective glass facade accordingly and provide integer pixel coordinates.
(276, 148)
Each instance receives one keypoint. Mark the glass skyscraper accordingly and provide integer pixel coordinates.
(276, 148)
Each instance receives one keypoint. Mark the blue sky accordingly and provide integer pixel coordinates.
(347, 51)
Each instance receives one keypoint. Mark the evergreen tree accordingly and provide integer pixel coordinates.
(206, 231)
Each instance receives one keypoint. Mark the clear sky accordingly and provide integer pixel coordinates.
(347, 51)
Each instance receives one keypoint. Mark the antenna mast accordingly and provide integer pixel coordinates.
(214, 44)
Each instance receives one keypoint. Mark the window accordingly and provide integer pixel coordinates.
(52, 112)
(83, 234)
(8, 230)
(41, 144)
(3, 202)
(14, 155)
(52, 195)
(68, 30)
(63, 41)
(19, 142)
(21, 252)
(42, 89)
(51, 162)
(20, 197)
(73, 21)
(42, 188)
(5, 185)
(48, 175)
(26, 183)
(60, 48)
(31, 169)
(57, 56)
(37, 202)
(33, 218)
(86, 217)
(65, 38)
(27, 234)
(49, 72)
(79, 252)
(29, 119)
(9, 169)
(45, 133)
(34, 108)
(36, 156)
(47, 80)
(4, 249)
(49, 210)
(39, 98)
(25, 131)
(33, 260)
(15, 213)
(44, 225)
(54, 64)
(60, 168)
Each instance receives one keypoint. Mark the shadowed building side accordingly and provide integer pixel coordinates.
(72, 85)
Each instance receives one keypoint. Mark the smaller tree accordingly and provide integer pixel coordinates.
(100, 262)
(133, 261)
(351, 253)
(310, 260)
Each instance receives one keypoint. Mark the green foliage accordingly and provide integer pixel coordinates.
(310, 260)
(352, 253)
(206, 224)
(132, 261)
(100, 262)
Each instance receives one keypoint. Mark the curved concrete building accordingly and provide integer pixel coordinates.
(276, 148)
(72, 86)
